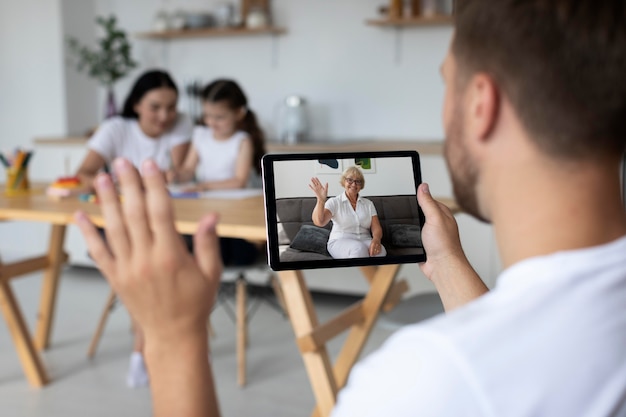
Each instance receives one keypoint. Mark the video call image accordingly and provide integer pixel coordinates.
(367, 197)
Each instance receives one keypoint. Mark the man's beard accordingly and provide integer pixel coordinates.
(463, 170)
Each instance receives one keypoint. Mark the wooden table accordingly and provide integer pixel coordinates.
(242, 218)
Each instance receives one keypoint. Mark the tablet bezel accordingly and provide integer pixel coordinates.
(269, 192)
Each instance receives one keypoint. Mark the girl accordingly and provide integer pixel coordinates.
(148, 127)
(225, 150)
(223, 154)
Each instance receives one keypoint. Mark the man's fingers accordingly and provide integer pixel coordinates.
(158, 203)
(207, 248)
(111, 211)
(97, 246)
(133, 206)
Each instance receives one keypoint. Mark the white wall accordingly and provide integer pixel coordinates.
(392, 176)
(32, 100)
(31, 73)
(346, 69)
(82, 108)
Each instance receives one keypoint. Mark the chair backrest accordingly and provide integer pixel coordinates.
(257, 273)
(255, 180)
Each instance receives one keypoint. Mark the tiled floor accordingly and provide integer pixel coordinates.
(277, 382)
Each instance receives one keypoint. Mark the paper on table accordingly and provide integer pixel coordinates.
(178, 191)
(180, 188)
(232, 194)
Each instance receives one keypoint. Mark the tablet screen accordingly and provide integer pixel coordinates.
(368, 216)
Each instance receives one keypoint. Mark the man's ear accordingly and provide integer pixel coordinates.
(484, 106)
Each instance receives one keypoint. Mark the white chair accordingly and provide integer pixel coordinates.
(240, 276)
(239, 310)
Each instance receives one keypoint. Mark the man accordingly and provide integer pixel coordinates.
(534, 108)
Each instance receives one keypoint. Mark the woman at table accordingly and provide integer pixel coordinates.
(356, 231)
(149, 127)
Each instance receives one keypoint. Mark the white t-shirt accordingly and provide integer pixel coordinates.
(217, 158)
(549, 340)
(348, 222)
(121, 137)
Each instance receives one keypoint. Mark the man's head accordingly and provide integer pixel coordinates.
(561, 64)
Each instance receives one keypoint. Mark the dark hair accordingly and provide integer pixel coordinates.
(561, 63)
(149, 80)
(229, 92)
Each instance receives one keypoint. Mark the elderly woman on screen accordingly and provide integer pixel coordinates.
(356, 231)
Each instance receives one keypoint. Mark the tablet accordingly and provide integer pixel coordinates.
(386, 201)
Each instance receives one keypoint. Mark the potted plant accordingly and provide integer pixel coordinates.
(110, 61)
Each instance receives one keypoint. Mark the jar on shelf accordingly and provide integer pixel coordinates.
(257, 18)
(161, 21)
(429, 8)
(395, 9)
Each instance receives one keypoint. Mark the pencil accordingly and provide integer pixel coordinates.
(26, 159)
(19, 159)
(18, 177)
(4, 161)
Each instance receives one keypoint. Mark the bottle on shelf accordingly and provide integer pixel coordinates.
(395, 9)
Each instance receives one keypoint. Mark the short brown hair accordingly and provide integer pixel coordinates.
(561, 63)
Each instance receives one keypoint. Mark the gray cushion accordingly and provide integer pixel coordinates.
(311, 239)
(405, 235)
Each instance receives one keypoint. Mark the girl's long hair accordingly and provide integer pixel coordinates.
(229, 92)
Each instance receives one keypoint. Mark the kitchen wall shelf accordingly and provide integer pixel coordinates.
(210, 32)
(438, 20)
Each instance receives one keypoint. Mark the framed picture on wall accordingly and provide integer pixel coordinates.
(328, 166)
(367, 165)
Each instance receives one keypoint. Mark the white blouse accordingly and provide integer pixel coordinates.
(348, 222)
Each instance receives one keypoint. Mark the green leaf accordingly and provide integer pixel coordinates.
(110, 60)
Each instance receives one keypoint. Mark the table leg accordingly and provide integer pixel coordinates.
(242, 330)
(304, 320)
(372, 304)
(312, 337)
(47, 301)
(29, 357)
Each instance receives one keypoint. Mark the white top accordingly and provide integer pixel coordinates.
(549, 340)
(121, 137)
(350, 223)
(217, 158)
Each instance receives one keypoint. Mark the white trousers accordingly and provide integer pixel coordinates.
(346, 247)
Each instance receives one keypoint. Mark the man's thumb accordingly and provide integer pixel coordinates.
(426, 201)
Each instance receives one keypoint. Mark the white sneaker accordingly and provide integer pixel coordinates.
(137, 376)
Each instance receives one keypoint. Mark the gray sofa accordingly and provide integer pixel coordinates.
(397, 214)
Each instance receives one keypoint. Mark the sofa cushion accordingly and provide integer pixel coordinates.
(311, 239)
(405, 235)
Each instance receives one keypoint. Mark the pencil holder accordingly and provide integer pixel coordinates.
(17, 181)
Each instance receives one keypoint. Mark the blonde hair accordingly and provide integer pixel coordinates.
(356, 174)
